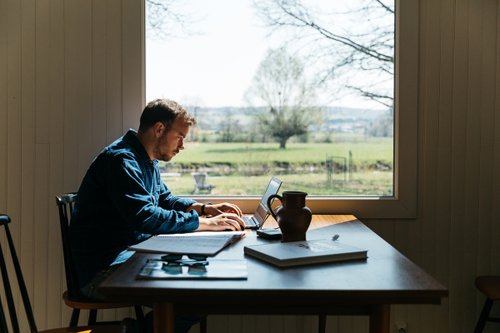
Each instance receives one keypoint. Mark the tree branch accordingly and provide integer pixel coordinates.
(375, 97)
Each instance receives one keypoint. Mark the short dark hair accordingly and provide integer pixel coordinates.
(165, 111)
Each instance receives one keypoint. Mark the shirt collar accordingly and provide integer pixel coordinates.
(131, 138)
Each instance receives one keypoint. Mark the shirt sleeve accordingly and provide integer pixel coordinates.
(139, 206)
(170, 201)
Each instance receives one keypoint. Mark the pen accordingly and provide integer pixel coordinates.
(335, 237)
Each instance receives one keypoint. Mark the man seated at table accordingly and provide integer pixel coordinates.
(123, 201)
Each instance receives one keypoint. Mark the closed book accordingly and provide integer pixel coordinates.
(305, 252)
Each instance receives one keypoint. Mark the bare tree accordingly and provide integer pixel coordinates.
(229, 128)
(355, 46)
(167, 18)
(281, 87)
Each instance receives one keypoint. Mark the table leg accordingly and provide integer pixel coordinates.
(380, 318)
(322, 323)
(163, 318)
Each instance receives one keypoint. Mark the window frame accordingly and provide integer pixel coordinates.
(403, 205)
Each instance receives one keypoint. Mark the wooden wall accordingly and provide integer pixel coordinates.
(71, 82)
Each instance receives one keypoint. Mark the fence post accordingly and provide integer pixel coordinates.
(349, 165)
(329, 169)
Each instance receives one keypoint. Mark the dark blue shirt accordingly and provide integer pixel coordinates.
(122, 201)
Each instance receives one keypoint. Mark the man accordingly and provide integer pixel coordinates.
(123, 201)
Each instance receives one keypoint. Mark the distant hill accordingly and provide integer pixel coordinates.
(335, 118)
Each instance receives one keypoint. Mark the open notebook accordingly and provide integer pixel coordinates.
(207, 243)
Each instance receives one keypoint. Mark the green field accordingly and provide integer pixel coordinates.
(245, 168)
(364, 183)
(364, 153)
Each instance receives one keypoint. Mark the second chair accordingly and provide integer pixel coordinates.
(490, 287)
(14, 324)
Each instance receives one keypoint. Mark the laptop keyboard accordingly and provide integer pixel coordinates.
(249, 221)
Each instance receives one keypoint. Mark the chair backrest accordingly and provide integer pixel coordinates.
(200, 179)
(65, 203)
(4, 223)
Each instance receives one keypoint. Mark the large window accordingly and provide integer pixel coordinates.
(303, 90)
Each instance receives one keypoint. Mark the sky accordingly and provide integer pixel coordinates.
(214, 66)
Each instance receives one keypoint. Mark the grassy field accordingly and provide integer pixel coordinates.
(228, 166)
(364, 183)
(363, 152)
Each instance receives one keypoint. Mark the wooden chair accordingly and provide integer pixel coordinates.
(72, 296)
(11, 309)
(490, 287)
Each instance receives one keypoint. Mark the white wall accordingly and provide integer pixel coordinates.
(70, 82)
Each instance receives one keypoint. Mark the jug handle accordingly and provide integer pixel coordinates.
(269, 204)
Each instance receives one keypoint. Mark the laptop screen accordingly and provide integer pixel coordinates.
(262, 211)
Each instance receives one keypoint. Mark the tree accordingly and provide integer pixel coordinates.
(167, 19)
(382, 126)
(281, 88)
(229, 128)
(355, 46)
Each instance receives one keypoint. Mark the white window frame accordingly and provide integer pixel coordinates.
(403, 205)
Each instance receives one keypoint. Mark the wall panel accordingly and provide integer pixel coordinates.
(39, 185)
(133, 63)
(14, 150)
(458, 145)
(55, 283)
(487, 125)
(114, 75)
(42, 70)
(99, 64)
(494, 253)
(3, 101)
(27, 129)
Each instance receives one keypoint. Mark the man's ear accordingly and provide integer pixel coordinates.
(158, 129)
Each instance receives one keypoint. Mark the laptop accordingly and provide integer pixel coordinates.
(259, 217)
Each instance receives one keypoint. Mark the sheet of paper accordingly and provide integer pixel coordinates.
(204, 233)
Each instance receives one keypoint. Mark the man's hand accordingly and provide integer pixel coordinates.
(223, 221)
(224, 207)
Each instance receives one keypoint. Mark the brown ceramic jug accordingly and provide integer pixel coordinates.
(293, 216)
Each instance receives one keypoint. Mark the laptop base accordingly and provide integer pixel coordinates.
(250, 223)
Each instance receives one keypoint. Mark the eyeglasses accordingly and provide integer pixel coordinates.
(178, 260)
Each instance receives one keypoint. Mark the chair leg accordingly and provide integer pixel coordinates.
(92, 317)
(483, 317)
(139, 315)
(74, 318)
(321, 323)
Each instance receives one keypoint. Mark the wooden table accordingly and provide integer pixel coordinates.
(343, 288)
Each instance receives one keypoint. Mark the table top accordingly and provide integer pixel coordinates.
(386, 277)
